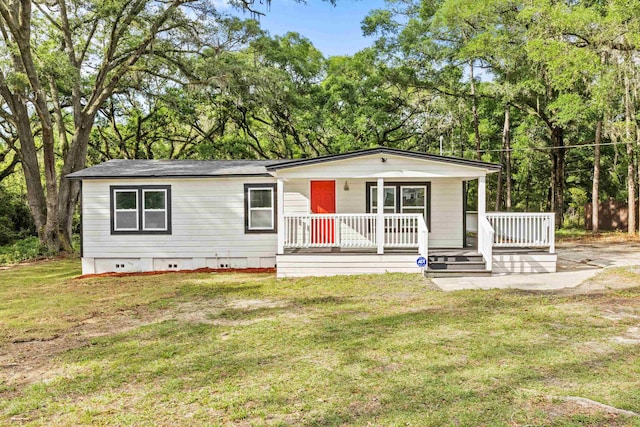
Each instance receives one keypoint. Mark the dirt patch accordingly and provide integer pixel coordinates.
(24, 362)
(616, 315)
(575, 255)
(560, 409)
(209, 312)
(591, 406)
(631, 336)
(28, 361)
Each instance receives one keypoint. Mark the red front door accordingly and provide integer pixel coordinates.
(323, 201)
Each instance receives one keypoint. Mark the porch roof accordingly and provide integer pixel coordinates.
(286, 164)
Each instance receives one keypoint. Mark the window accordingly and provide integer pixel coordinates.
(141, 209)
(154, 210)
(126, 210)
(260, 208)
(414, 200)
(402, 197)
(389, 199)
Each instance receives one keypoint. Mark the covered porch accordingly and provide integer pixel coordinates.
(329, 221)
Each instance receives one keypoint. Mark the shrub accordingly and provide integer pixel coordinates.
(15, 218)
(22, 250)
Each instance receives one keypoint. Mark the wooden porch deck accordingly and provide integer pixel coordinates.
(441, 262)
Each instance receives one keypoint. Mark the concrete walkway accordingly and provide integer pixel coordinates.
(577, 263)
(531, 282)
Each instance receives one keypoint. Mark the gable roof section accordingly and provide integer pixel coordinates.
(491, 167)
(121, 168)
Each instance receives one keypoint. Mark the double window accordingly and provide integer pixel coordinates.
(141, 209)
(260, 208)
(401, 197)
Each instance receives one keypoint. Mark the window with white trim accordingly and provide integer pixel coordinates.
(141, 209)
(389, 197)
(402, 197)
(414, 200)
(260, 208)
(154, 216)
(125, 210)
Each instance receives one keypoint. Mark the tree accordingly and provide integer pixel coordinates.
(63, 60)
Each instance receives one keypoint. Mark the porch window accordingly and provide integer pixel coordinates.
(141, 209)
(414, 200)
(402, 197)
(260, 208)
(389, 199)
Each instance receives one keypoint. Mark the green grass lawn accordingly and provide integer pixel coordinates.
(239, 349)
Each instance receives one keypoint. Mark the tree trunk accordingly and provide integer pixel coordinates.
(557, 174)
(506, 136)
(18, 21)
(474, 109)
(505, 153)
(631, 188)
(595, 191)
(499, 184)
(30, 166)
(69, 191)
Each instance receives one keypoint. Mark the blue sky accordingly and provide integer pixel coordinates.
(334, 30)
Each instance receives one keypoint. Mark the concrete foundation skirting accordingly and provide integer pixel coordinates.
(139, 265)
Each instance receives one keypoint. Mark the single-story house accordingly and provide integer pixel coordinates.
(305, 217)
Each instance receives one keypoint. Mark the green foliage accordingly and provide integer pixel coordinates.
(220, 87)
(577, 200)
(15, 218)
(26, 249)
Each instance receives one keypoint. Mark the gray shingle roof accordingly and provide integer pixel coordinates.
(230, 168)
(174, 169)
(492, 167)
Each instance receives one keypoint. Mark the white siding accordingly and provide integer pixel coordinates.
(207, 223)
(354, 200)
(296, 197)
(298, 265)
(372, 167)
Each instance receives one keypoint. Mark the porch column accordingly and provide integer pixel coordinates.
(380, 216)
(280, 214)
(482, 207)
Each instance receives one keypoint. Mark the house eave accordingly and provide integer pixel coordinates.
(162, 176)
(489, 167)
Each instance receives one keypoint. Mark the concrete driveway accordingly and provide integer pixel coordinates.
(577, 263)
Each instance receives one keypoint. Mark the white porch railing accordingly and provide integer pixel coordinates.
(330, 230)
(355, 231)
(401, 230)
(485, 241)
(523, 229)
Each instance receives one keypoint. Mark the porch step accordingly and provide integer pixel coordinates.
(456, 273)
(456, 265)
(455, 258)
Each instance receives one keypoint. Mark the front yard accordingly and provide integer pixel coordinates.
(239, 349)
